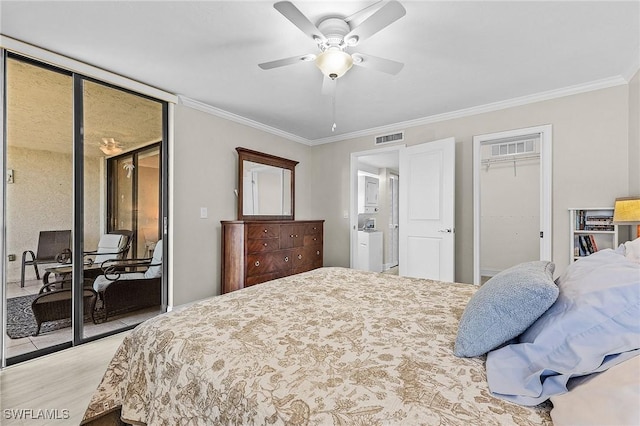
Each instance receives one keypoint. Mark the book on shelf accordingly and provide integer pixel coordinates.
(585, 245)
(596, 222)
(593, 243)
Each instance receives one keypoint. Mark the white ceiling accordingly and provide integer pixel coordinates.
(457, 55)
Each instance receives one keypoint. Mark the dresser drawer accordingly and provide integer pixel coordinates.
(263, 230)
(308, 257)
(263, 263)
(291, 235)
(313, 228)
(262, 245)
(312, 240)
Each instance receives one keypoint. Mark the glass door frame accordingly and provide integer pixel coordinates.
(111, 196)
(78, 207)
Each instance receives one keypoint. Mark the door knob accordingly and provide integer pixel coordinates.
(448, 230)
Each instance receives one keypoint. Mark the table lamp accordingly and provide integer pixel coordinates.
(627, 212)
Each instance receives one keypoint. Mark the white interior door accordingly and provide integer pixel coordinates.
(427, 210)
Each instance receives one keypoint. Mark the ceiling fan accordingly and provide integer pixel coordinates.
(110, 146)
(335, 35)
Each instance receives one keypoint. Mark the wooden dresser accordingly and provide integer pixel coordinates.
(257, 251)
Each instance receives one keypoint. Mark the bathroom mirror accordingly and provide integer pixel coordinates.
(265, 186)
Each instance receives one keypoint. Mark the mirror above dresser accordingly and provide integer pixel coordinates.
(266, 186)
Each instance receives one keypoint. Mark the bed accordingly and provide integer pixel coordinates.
(330, 346)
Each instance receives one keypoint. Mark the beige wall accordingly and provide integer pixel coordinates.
(634, 135)
(205, 175)
(41, 200)
(590, 166)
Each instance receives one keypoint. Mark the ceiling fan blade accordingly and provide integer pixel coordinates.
(380, 64)
(384, 16)
(360, 16)
(287, 61)
(328, 86)
(296, 17)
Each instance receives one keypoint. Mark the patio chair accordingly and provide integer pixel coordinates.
(55, 305)
(114, 245)
(130, 284)
(50, 245)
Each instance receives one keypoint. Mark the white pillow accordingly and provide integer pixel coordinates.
(155, 271)
(607, 398)
(109, 247)
(632, 250)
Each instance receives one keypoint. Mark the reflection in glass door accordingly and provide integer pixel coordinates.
(134, 197)
(39, 200)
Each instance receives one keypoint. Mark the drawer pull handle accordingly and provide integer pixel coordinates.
(257, 263)
(318, 252)
(296, 235)
(286, 258)
(299, 256)
(265, 231)
(315, 239)
(291, 236)
(265, 244)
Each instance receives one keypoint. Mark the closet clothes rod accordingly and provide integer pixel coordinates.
(510, 159)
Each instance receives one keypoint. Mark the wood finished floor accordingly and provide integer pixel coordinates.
(61, 381)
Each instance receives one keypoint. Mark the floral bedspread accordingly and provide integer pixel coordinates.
(330, 346)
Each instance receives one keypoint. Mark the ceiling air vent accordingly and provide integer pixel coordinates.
(394, 137)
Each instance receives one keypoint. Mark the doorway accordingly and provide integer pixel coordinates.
(380, 166)
(425, 198)
(512, 199)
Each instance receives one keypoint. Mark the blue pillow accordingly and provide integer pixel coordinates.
(594, 325)
(504, 307)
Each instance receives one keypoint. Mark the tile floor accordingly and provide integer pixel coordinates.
(28, 344)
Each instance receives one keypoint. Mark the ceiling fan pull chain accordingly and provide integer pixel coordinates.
(333, 112)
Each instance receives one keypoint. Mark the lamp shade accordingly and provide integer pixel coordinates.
(627, 211)
(334, 62)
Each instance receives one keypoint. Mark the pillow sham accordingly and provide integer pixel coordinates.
(591, 327)
(632, 250)
(504, 307)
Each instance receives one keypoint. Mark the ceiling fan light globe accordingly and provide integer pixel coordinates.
(334, 63)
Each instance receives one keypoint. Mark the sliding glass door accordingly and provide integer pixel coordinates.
(85, 185)
(38, 203)
(122, 135)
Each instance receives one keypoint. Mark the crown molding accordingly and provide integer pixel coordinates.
(201, 106)
(633, 68)
(403, 125)
(481, 109)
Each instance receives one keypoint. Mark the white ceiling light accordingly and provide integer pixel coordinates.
(334, 62)
(110, 147)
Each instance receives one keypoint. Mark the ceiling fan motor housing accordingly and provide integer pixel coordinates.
(334, 30)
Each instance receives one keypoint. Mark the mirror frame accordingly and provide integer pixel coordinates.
(270, 160)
